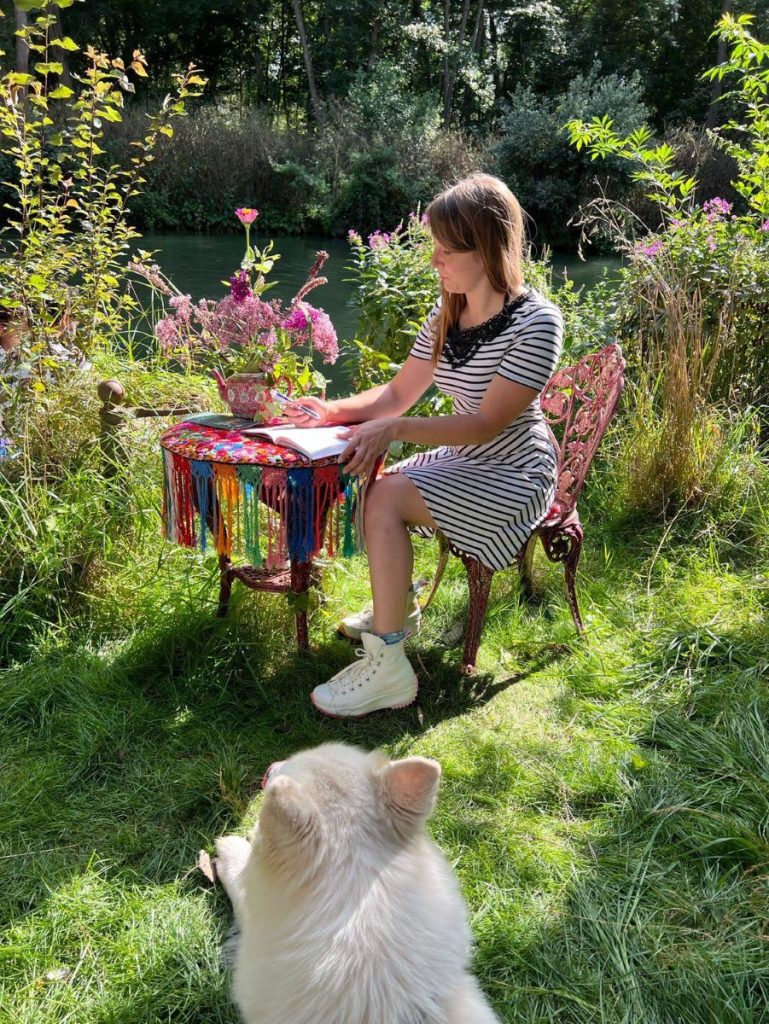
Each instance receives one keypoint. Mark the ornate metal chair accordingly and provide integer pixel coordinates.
(581, 400)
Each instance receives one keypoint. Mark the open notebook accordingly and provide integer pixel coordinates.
(314, 442)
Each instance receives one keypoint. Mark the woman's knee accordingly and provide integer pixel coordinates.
(384, 500)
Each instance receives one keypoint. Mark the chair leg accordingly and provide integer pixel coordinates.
(479, 578)
(570, 567)
(526, 564)
(443, 558)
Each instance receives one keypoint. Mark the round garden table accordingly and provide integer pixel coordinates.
(235, 494)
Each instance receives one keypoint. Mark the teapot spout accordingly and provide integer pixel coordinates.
(221, 382)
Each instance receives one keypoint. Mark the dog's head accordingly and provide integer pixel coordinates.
(337, 802)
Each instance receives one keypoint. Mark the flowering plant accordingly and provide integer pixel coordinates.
(242, 332)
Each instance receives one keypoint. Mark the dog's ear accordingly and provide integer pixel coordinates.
(288, 815)
(410, 789)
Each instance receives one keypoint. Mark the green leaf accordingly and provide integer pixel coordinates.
(61, 92)
(51, 68)
(37, 281)
(18, 78)
(65, 43)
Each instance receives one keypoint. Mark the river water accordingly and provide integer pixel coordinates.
(200, 264)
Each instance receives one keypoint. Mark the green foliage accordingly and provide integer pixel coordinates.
(746, 139)
(63, 263)
(691, 304)
(533, 155)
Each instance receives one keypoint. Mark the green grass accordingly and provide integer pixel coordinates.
(606, 804)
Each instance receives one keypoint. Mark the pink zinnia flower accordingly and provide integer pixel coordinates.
(246, 215)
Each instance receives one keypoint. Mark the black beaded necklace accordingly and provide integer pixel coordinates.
(463, 342)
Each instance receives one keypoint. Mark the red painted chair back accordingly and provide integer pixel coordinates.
(581, 399)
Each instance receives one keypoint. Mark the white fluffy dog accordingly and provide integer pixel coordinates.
(348, 913)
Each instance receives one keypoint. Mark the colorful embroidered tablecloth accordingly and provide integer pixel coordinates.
(268, 502)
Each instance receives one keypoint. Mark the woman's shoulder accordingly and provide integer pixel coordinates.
(539, 305)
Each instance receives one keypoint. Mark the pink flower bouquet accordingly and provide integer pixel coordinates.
(243, 333)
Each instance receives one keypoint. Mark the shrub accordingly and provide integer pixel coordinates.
(63, 265)
(692, 298)
(534, 157)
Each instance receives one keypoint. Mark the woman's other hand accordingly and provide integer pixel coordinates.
(365, 443)
(294, 412)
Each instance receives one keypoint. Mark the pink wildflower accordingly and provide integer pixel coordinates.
(650, 249)
(246, 215)
(716, 209)
(167, 333)
(353, 237)
(182, 307)
(236, 323)
(765, 226)
(378, 239)
(424, 219)
(324, 337)
(712, 245)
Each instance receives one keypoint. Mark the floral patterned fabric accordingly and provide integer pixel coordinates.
(238, 493)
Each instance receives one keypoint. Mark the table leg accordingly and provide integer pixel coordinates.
(300, 584)
(225, 586)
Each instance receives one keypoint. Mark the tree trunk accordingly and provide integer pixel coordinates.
(448, 99)
(717, 87)
(478, 31)
(22, 50)
(307, 57)
(446, 45)
(57, 32)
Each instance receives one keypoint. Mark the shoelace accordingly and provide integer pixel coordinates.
(351, 677)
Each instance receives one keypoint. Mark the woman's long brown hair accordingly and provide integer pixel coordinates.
(478, 213)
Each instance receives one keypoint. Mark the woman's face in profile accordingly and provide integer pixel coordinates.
(460, 272)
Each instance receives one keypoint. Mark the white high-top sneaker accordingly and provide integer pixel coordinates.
(381, 678)
(352, 627)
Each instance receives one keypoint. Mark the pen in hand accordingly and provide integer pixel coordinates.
(302, 408)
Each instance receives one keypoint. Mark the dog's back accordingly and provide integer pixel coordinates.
(348, 913)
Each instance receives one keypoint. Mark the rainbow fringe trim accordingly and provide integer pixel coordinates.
(268, 514)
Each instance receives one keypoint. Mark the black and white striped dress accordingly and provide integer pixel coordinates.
(487, 498)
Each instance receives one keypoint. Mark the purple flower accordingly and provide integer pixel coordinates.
(649, 249)
(378, 239)
(353, 237)
(712, 245)
(324, 337)
(765, 226)
(716, 209)
(425, 219)
(240, 286)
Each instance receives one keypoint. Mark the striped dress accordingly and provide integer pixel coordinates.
(487, 498)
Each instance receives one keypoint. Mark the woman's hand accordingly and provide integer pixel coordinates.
(365, 443)
(294, 414)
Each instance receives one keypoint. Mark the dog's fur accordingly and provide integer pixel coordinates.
(348, 913)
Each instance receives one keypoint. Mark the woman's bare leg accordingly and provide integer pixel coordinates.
(393, 503)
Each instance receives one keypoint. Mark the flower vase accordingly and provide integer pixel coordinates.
(249, 395)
